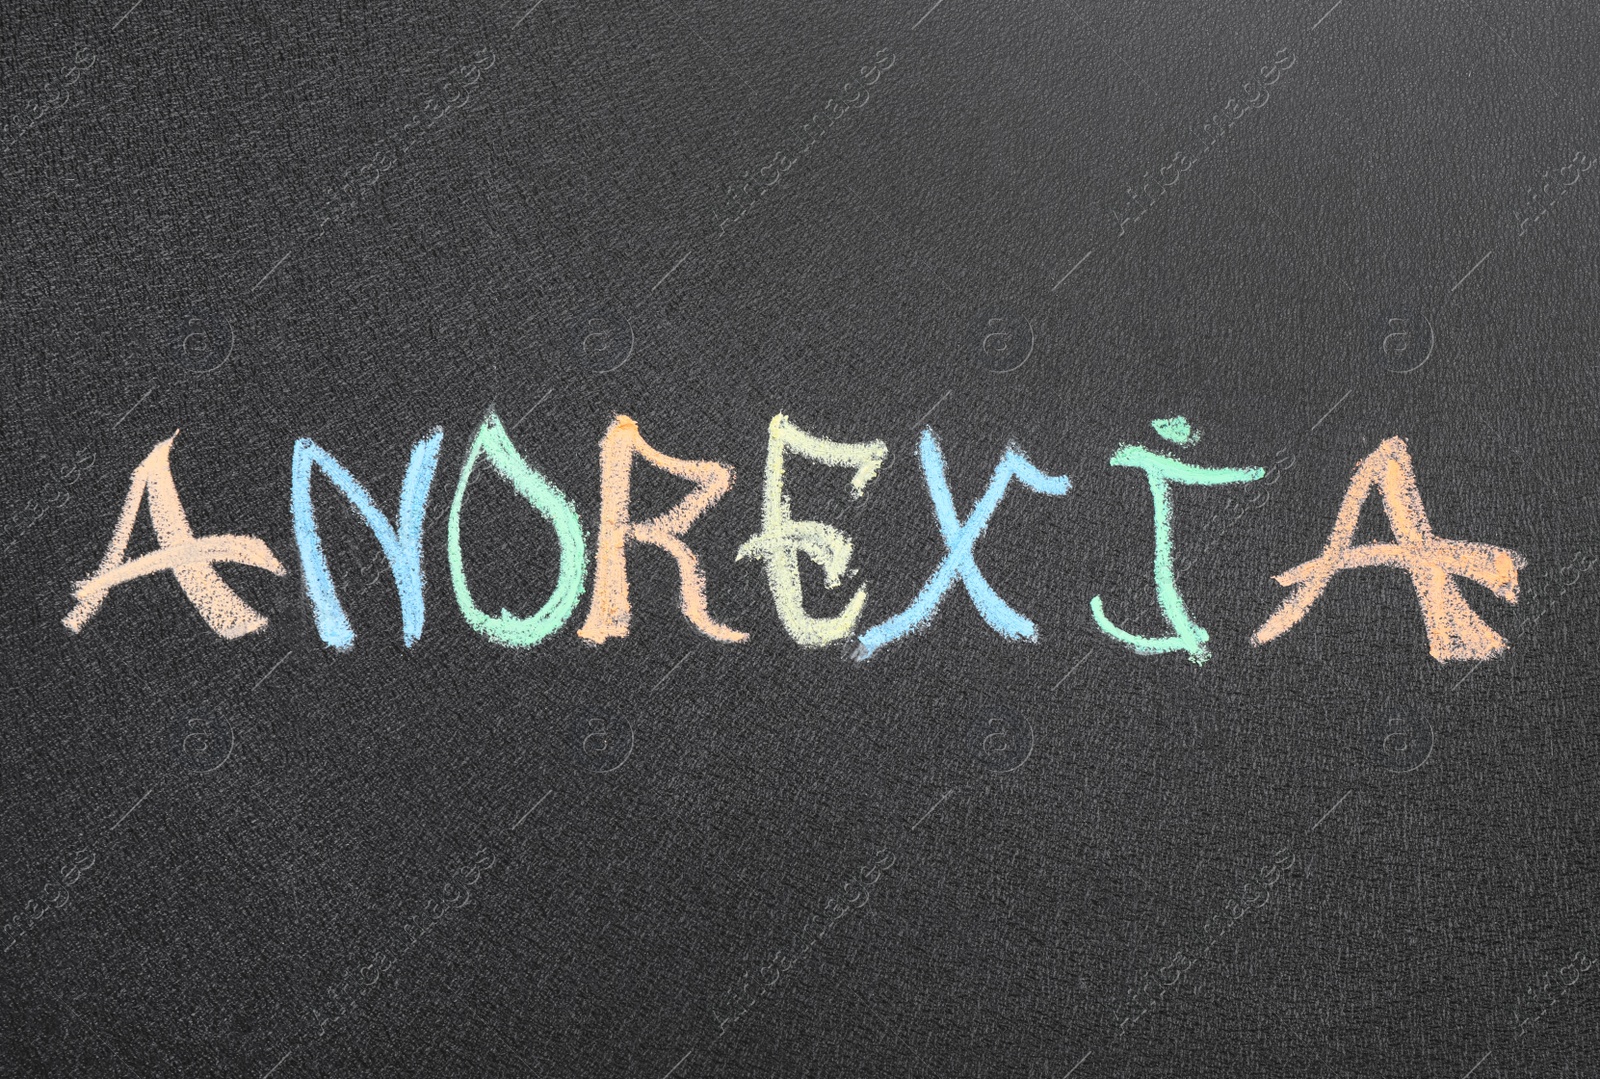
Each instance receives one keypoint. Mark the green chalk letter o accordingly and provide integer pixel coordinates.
(493, 443)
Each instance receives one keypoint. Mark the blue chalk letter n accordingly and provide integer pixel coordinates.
(402, 546)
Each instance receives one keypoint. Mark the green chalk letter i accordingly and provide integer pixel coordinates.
(1163, 471)
(492, 442)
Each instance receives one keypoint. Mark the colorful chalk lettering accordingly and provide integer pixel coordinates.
(402, 544)
(189, 559)
(1162, 472)
(959, 538)
(609, 613)
(783, 539)
(1455, 632)
(493, 444)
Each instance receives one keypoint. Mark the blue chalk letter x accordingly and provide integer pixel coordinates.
(959, 538)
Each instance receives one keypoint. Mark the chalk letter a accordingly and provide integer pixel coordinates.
(1454, 629)
(189, 558)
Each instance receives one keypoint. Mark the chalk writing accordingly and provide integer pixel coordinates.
(493, 444)
(1454, 630)
(191, 560)
(608, 609)
(782, 539)
(959, 538)
(402, 546)
(1163, 471)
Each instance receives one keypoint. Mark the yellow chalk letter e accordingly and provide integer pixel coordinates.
(782, 539)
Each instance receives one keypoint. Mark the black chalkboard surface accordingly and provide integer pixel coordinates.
(682, 540)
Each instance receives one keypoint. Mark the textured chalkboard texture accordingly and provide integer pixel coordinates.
(1305, 228)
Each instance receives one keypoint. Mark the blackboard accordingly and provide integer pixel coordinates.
(471, 783)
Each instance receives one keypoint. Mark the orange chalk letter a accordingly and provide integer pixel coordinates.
(189, 558)
(1454, 630)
